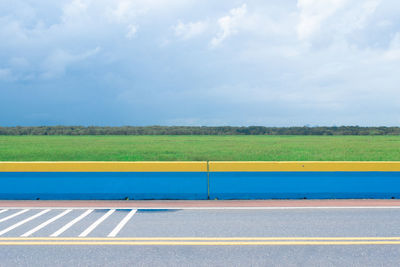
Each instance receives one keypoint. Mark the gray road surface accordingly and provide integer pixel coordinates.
(206, 237)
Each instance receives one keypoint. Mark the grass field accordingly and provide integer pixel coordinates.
(165, 148)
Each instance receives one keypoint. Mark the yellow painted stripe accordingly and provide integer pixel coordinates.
(304, 166)
(200, 241)
(104, 166)
(197, 238)
(201, 166)
(177, 243)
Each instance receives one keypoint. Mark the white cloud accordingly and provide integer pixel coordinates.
(333, 17)
(228, 24)
(19, 62)
(384, 23)
(132, 29)
(190, 30)
(5, 74)
(393, 52)
(57, 62)
(313, 13)
(76, 9)
(367, 9)
(125, 10)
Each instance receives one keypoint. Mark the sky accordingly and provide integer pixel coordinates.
(188, 62)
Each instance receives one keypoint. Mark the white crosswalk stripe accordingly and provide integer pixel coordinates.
(23, 222)
(40, 226)
(1, 211)
(13, 215)
(122, 224)
(68, 225)
(96, 223)
(58, 220)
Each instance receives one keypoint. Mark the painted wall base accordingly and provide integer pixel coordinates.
(298, 185)
(194, 185)
(103, 185)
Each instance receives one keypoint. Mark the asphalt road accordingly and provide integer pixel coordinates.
(281, 236)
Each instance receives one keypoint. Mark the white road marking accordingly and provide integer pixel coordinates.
(13, 215)
(68, 225)
(23, 221)
(1, 211)
(122, 224)
(96, 223)
(40, 226)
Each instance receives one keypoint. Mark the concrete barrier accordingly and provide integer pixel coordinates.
(198, 180)
(294, 180)
(103, 180)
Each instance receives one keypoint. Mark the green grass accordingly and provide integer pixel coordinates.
(172, 148)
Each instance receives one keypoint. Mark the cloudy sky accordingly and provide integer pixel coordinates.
(187, 62)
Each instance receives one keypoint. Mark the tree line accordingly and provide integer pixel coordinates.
(197, 130)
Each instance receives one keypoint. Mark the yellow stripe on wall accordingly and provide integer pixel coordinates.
(201, 166)
(104, 166)
(304, 166)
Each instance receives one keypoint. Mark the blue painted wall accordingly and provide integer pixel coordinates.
(194, 185)
(103, 185)
(295, 185)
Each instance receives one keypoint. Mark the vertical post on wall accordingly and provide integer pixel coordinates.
(208, 180)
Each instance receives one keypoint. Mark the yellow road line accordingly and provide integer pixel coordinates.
(109, 239)
(191, 243)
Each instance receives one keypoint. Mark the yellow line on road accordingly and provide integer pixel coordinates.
(193, 238)
(197, 243)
